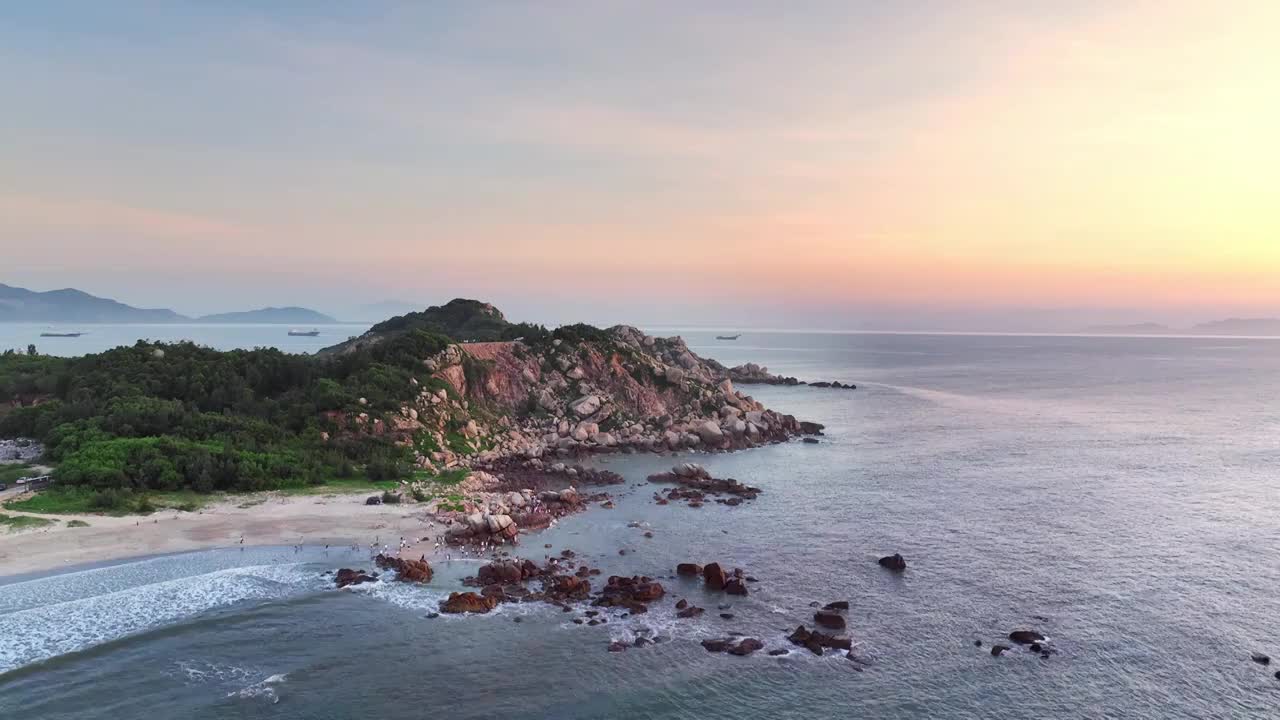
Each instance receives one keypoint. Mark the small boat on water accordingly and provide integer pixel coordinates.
(729, 337)
(58, 334)
(304, 333)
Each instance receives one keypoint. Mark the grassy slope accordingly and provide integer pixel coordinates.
(22, 522)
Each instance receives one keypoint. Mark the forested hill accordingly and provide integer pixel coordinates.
(173, 416)
(407, 397)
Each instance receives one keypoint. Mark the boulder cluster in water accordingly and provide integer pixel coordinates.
(753, 374)
(696, 484)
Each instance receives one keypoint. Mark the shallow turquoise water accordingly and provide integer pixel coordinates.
(1117, 494)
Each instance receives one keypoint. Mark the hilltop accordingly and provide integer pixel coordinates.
(520, 390)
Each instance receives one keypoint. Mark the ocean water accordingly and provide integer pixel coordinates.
(96, 338)
(1121, 495)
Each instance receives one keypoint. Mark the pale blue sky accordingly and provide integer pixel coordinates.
(732, 158)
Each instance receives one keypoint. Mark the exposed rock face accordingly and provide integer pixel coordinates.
(406, 570)
(616, 390)
(468, 602)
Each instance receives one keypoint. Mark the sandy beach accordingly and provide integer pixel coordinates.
(266, 519)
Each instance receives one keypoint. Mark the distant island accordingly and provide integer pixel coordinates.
(1248, 327)
(1145, 328)
(1240, 326)
(76, 306)
(281, 316)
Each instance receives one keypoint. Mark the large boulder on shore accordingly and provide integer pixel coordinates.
(586, 405)
(710, 433)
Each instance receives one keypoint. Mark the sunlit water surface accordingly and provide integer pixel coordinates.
(1118, 494)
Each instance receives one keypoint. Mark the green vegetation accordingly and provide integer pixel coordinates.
(67, 500)
(181, 417)
(428, 487)
(22, 522)
(9, 474)
(464, 320)
(338, 486)
(77, 523)
(162, 426)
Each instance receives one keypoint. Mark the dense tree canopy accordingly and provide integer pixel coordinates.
(175, 416)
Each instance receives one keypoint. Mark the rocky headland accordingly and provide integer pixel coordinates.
(568, 394)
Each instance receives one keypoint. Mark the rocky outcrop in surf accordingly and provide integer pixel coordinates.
(418, 571)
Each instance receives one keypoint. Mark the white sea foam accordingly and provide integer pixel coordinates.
(39, 633)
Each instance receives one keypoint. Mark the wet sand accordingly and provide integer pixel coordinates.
(256, 519)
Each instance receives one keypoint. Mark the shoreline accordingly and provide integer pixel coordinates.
(278, 520)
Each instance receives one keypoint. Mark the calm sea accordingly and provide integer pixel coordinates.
(97, 338)
(1120, 495)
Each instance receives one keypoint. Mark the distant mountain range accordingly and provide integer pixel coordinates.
(1259, 327)
(282, 316)
(76, 306)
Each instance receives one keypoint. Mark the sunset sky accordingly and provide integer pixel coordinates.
(851, 163)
